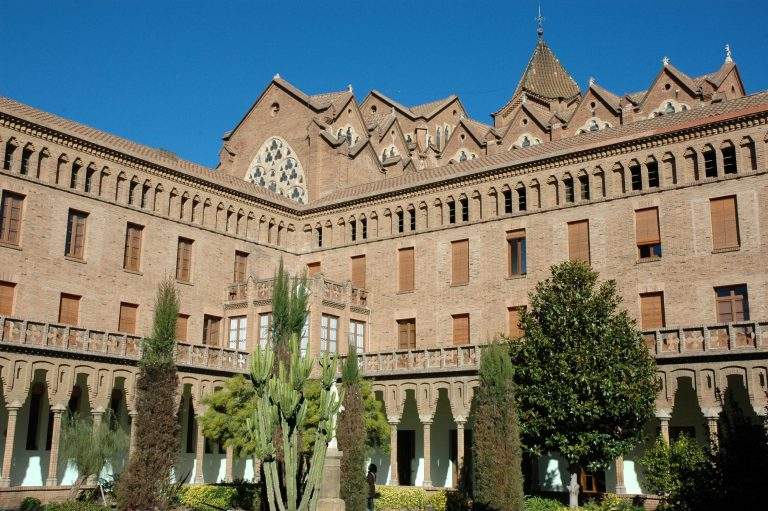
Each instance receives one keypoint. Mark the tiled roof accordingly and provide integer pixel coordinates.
(625, 133)
(612, 99)
(546, 77)
(477, 128)
(394, 103)
(718, 76)
(428, 109)
(152, 155)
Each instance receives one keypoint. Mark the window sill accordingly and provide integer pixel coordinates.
(463, 284)
(516, 277)
(10, 245)
(134, 272)
(409, 291)
(184, 282)
(643, 260)
(726, 249)
(75, 259)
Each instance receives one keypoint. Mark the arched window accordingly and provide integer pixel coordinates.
(593, 126)
(277, 168)
(463, 156)
(670, 108)
(526, 142)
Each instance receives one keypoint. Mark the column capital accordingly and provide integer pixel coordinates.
(460, 421)
(426, 419)
(393, 421)
(663, 415)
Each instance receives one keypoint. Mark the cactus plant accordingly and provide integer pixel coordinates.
(281, 406)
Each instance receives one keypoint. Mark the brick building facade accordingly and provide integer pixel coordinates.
(422, 230)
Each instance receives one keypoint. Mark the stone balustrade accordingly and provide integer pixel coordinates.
(740, 337)
(261, 289)
(70, 339)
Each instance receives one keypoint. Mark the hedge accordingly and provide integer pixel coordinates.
(418, 499)
(206, 497)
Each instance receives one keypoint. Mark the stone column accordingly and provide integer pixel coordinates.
(53, 464)
(712, 427)
(228, 467)
(199, 451)
(393, 479)
(330, 485)
(664, 425)
(13, 411)
(620, 488)
(426, 423)
(132, 443)
(460, 422)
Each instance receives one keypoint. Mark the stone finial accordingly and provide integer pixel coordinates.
(591, 81)
(665, 60)
(277, 75)
(728, 55)
(349, 87)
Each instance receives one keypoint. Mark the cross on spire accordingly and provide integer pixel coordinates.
(540, 24)
(728, 55)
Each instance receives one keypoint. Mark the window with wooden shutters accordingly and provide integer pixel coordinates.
(76, 234)
(460, 329)
(405, 269)
(7, 295)
(10, 218)
(652, 311)
(514, 328)
(516, 258)
(725, 223)
(181, 326)
(647, 234)
(132, 254)
(459, 262)
(241, 267)
(313, 269)
(732, 303)
(578, 241)
(69, 309)
(211, 326)
(358, 271)
(406, 334)
(127, 320)
(184, 260)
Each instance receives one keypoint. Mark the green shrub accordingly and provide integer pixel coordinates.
(204, 497)
(415, 499)
(542, 504)
(611, 503)
(31, 504)
(76, 505)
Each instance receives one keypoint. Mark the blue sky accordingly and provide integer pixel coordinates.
(177, 75)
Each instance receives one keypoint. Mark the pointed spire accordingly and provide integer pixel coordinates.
(540, 25)
(728, 55)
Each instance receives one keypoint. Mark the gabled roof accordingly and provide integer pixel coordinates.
(612, 100)
(392, 102)
(545, 77)
(689, 83)
(426, 110)
(477, 129)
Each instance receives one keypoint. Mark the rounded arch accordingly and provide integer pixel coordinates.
(276, 167)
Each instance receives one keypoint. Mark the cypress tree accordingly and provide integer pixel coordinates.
(496, 435)
(142, 484)
(351, 435)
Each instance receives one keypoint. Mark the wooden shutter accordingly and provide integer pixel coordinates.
(313, 269)
(76, 234)
(461, 329)
(7, 292)
(652, 311)
(241, 264)
(578, 241)
(406, 334)
(730, 307)
(358, 271)
(132, 255)
(183, 260)
(211, 326)
(513, 317)
(405, 269)
(10, 218)
(647, 226)
(181, 327)
(459, 262)
(725, 226)
(127, 321)
(69, 309)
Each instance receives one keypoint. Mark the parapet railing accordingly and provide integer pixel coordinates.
(737, 337)
(71, 339)
(261, 289)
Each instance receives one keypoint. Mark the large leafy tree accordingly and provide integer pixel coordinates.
(585, 381)
(142, 485)
(496, 434)
(350, 432)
